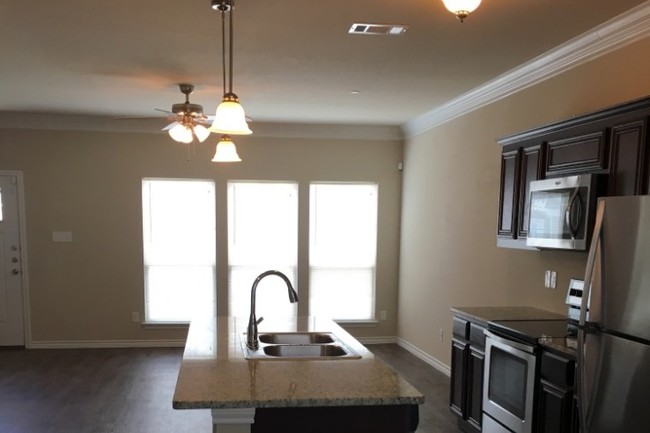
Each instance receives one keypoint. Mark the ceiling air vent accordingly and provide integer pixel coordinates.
(377, 29)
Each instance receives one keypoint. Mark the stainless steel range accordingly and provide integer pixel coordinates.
(511, 369)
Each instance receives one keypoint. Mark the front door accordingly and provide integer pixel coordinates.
(12, 329)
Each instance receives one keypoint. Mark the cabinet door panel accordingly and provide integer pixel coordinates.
(531, 169)
(509, 192)
(458, 388)
(475, 387)
(627, 156)
(577, 155)
(554, 409)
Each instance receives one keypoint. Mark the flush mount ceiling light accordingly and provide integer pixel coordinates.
(189, 119)
(226, 151)
(377, 29)
(461, 8)
(230, 117)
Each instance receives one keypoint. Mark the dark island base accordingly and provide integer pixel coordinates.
(358, 419)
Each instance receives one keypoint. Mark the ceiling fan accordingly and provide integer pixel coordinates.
(188, 119)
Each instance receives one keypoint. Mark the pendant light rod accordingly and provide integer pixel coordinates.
(232, 11)
(223, 47)
(230, 117)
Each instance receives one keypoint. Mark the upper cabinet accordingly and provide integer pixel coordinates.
(613, 141)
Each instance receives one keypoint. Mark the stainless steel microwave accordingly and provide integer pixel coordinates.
(562, 212)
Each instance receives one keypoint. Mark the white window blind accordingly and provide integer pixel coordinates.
(342, 250)
(179, 249)
(262, 235)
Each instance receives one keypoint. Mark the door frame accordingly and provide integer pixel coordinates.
(22, 232)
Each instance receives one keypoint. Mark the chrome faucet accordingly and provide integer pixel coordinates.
(251, 335)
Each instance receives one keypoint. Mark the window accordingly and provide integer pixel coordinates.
(262, 235)
(179, 249)
(342, 250)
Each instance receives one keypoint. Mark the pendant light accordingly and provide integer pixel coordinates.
(226, 151)
(230, 117)
(461, 8)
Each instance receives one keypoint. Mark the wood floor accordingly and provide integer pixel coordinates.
(130, 391)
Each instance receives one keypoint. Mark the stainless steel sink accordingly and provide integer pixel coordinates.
(297, 338)
(304, 350)
(299, 346)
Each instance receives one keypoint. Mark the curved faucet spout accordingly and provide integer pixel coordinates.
(251, 336)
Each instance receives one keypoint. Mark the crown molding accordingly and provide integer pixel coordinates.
(614, 34)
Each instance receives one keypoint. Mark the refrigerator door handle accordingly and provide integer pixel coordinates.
(591, 262)
(582, 333)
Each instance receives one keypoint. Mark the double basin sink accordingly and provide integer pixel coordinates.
(299, 346)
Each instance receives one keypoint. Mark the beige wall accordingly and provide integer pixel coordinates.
(450, 192)
(90, 184)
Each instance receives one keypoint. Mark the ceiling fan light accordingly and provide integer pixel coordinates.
(230, 117)
(181, 133)
(461, 8)
(201, 132)
(226, 151)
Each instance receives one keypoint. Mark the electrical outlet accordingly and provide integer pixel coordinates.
(135, 317)
(550, 279)
(382, 315)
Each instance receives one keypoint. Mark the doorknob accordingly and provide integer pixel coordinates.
(15, 271)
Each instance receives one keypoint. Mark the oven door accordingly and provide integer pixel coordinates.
(509, 383)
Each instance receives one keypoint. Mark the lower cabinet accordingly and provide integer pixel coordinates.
(467, 360)
(556, 402)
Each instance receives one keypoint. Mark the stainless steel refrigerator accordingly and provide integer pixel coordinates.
(614, 333)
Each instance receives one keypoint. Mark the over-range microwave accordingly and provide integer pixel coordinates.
(561, 212)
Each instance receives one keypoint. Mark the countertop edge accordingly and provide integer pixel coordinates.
(324, 402)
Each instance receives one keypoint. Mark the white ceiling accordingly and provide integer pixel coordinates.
(294, 60)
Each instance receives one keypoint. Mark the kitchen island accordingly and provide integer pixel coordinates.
(316, 395)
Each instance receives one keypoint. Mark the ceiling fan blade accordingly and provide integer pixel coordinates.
(170, 126)
(211, 118)
(163, 111)
(135, 117)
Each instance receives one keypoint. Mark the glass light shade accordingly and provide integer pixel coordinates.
(230, 117)
(181, 133)
(226, 151)
(461, 8)
(201, 132)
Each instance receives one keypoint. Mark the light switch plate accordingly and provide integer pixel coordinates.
(62, 236)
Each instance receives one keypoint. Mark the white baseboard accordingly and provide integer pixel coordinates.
(107, 344)
(435, 363)
(377, 340)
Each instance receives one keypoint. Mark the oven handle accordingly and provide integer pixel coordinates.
(510, 343)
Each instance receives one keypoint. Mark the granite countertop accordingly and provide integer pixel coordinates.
(214, 373)
(565, 345)
(483, 315)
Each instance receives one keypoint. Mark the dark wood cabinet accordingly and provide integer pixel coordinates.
(574, 155)
(555, 406)
(628, 156)
(556, 402)
(532, 165)
(475, 364)
(613, 142)
(467, 361)
(458, 388)
(510, 169)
